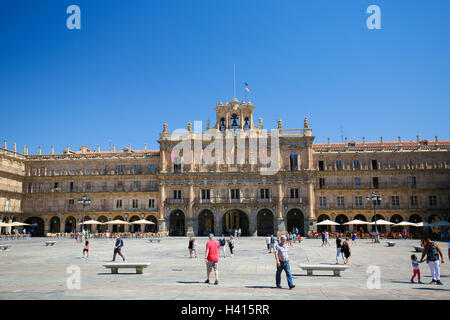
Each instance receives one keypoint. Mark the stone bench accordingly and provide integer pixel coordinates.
(418, 249)
(155, 239)
(116, 266)
(390, 244)
(51, 243)
(336, 268)
(5, 246)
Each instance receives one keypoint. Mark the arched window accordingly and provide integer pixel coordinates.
(223, 126)
(234, 121)
(246, 124)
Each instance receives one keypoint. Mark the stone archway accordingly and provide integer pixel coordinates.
(70, 225)
(341, 219)
(363, 227)
(396, 218)
(118, 227)
(321, 218)
(205, 223)
(177, 226)
(265, 222)
(134, 227)
(235, 219)
(381, 228)
(295, 219)
(37, 226)
(55, 225)
(102, 227)
(153, 228)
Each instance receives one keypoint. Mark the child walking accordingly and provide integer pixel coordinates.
(86, 249)
(416, 270)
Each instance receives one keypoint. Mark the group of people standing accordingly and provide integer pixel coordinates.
(343, 249)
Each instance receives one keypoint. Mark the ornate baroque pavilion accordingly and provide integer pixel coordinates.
(312, 182)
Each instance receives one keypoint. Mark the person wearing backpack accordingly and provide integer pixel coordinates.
(222, 243)
(118, 248)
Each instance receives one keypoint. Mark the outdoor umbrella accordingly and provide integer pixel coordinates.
(356, 221)
(19, 224)
(117, 222)
(92, 222)
(382, 222)
(327, 223)
(423, 224)
(404, 224)
(441, 224)
(142, 221)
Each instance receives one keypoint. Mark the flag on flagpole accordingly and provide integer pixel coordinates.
(246, 87)
(234, 148)
(292, 153)
(172, 156)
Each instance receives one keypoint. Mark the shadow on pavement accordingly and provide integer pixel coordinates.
(190, 282)
(435, 289)
(261, 287)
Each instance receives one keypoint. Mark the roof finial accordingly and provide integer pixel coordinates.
(25, 150)
(381, 140)
(52, 150)
(418, 141)
(4, 144)
(145, 147)
(114, 147)
(364, 141)
(15, 148)
(328, 140)
(98, 148)
(260, 123)
(280, 123)
(306, 123)
(39, 150)
(165, 127)
(436, 140)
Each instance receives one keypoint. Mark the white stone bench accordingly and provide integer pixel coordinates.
(115, 266)
(51, 243)
(5, 246)
(391, 244)
(336, 268)
(418, 249)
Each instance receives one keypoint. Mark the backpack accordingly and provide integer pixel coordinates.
(121, 242)
(222, 242)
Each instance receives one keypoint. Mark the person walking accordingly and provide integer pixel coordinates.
(338, 249)
(118, 248)
(326, 238)
(231, 244)
(416, 270)
(223, 243)
(433, 251)
(282, 259)
(272, 243)
(291, 239)
(323, 239)
(353, 238)
(212, 258)
(268, 240)
(235, 232)
(345, 249)
(194, 248)
(190, 246)
(239, 232)
(86, 249)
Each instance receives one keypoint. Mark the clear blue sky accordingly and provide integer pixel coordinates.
(135, 64)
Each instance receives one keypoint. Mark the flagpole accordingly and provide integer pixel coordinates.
(234, 79)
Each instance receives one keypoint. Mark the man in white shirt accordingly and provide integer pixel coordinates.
(268, 243)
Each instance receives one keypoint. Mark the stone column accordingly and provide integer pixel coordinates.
(161, 222)
(163, 160)
(281, 224)
(190, 211)
(253, 223)
(217, 223)
(62, 225)
(310, 207)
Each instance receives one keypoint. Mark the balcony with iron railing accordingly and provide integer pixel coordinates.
(10, 188)
(94, 189)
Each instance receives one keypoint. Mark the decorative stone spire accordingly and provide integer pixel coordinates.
(280, 123)
(306, 123)
(381, 140)
(165, 127)
(346, 141)
(328, 140)
(189, 126)
(52, 150)
(436, 141)
(98, 148)
(114, 148)
(5, 146)
(260, 123)
(129, 148)
(39, 150)
(418, 141)
(25, 150)
(399, 140)
(145, 147)
(15, 147)
(208, 124)
(364, 141)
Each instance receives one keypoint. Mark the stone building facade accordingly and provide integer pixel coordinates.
(184, 195)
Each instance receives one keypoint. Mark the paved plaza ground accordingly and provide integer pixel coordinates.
(30, 270)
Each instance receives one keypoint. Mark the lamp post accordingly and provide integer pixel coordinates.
(84, 201)
(375, 198)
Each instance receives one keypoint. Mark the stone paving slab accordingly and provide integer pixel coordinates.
(30, 270)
